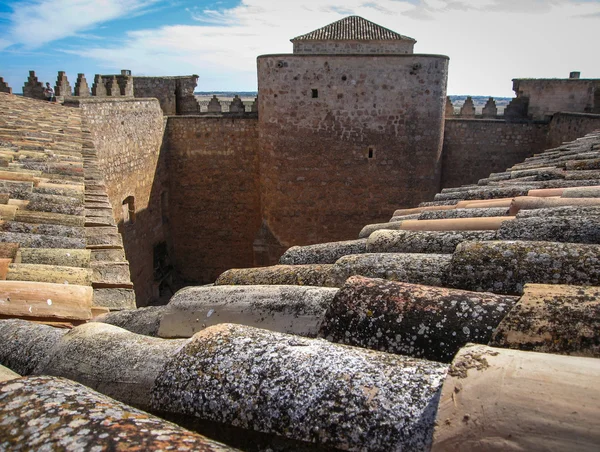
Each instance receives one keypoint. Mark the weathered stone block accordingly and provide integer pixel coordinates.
(50, 274)
(57, 256)
(103, 237)
(114, 298)
(111, 274)
(108, 255)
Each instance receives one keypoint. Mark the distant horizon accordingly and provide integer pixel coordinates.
(254, 93)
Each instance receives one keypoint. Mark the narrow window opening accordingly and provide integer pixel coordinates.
(129, 210)
(315, 93)
(371, 152)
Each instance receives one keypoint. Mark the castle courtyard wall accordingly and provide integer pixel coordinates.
(474, 148)
(128, 135)
(347, 139)
(209, 198)
(214, 193)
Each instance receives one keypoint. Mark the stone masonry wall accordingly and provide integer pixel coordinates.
(175, 94)
(345, 140)
(570, 126)
(548, 96)
(128, 134)
(474, 148)
(214, 197)
(163, 89)
(353, 47)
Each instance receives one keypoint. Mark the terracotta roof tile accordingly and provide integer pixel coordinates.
(352, 28)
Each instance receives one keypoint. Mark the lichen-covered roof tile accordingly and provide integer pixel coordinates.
(304, 389)
(47, 413)
(410, 319)
(322, 253)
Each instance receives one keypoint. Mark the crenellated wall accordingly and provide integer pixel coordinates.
(214, 193)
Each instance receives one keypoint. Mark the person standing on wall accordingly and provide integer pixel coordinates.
(49, 92)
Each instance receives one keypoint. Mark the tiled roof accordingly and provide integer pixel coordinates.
(61, 256)
(352, 28)
(491, 285)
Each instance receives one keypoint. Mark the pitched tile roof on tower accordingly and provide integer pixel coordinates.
(352, 28)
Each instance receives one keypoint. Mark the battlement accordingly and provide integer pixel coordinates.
(4, 88)
(236, 105)
(116, 85)
(33, 87)
(468, 110)
(62, 87)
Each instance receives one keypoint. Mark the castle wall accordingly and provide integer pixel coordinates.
(474, 148)
(163, 89)
(175, 94)
(548, 96)
(346, 140)
(214, 198)
(128, 135)
(353, 47)
(570, 126)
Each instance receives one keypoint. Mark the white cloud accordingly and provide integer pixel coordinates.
(35, 23)
(4, 43)
(487, 46)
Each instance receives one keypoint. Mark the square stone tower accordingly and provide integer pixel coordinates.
(350, 129)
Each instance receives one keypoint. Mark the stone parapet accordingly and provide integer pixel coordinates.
(4, 88)
(63, 87)
(33, 88)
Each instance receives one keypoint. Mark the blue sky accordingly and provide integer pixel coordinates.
(489, 42)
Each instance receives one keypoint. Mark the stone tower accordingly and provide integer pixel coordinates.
(350, 128)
